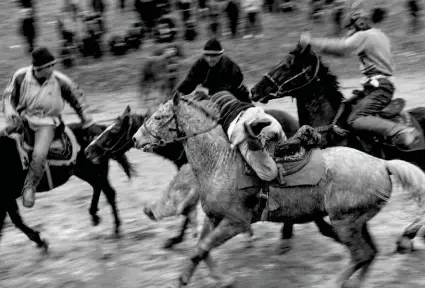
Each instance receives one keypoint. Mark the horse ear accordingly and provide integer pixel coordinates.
(176, 98)
(127, 110)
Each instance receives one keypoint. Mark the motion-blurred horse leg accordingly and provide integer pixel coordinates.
(224, 231)
(13, 210)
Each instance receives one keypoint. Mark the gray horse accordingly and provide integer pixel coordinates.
(352, 191)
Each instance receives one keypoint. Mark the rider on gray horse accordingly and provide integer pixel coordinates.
(38, 93)
(373, 48)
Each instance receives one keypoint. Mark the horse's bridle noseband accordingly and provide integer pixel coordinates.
(114, 149)
(181, 135)
(279, 93)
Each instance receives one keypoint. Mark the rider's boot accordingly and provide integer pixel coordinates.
(404, 137)
(34, 176)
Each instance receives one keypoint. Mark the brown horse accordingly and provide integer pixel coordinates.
(303, 76)
(353, 189)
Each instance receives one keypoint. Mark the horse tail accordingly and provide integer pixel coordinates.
(412, 180)
(411, 177)
(126, 165)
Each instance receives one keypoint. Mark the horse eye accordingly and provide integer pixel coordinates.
(157, 117)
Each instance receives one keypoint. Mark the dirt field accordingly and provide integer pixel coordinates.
(85, 256)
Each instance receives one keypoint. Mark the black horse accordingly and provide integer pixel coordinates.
(117, 139)
(12, 177)
(303, 76)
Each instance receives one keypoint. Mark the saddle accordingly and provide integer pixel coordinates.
(300, 163)
(63, 150)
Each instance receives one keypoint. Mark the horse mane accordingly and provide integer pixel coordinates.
(325, 90)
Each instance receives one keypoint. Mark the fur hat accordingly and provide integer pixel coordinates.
(213, 47)
(42, 57)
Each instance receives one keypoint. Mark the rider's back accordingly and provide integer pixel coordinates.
(375, 52)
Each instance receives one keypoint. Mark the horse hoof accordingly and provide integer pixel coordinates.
(169, 244)
(44, 245)
(181, 282)
(228, 282)
(283, 248)
(404, 245)
(117, 234)
(95, 220)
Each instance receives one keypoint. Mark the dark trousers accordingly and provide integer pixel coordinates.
(253, 23)
(365, 113)
(233, 17)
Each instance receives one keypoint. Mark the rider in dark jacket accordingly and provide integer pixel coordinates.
(216, 72)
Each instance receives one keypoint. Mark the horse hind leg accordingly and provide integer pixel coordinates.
(33, 235)
(354, 234)
(404, 243)
(2, 219)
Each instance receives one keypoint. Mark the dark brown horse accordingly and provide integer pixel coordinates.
(12, 178)
(303, 76)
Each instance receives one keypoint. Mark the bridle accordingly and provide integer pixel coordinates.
(112, 151)
(279, 93)
(181, 135)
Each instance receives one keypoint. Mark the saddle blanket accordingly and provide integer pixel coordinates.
(306, 171)
(62, 152)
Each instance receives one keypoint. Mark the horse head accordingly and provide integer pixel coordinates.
(115, 140)
(296, 71)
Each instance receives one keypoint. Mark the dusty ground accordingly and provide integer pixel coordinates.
(85, 256)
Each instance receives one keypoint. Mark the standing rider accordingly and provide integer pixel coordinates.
(38, 93)
(216, 72)
(373, 48)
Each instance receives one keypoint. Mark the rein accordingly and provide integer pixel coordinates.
(115, 148)
(181, 136)
(278, 94)
(279, 91)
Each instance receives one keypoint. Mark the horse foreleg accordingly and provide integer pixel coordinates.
(86, 173)
(285, 243)
(110, 196)
(180, 237)
(94, 206)
(224, 231)
(326, 229)
(33, 235)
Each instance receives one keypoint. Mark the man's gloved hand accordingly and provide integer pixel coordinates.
(254, 144)
(357, 95)
(305, 39)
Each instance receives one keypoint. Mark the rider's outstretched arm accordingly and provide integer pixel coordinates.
(345, 46)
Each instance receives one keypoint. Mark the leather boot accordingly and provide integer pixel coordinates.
(405, 137)
(34, 176)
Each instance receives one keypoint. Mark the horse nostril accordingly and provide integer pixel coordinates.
(87, 153)
(149, 213)
(134, 140)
